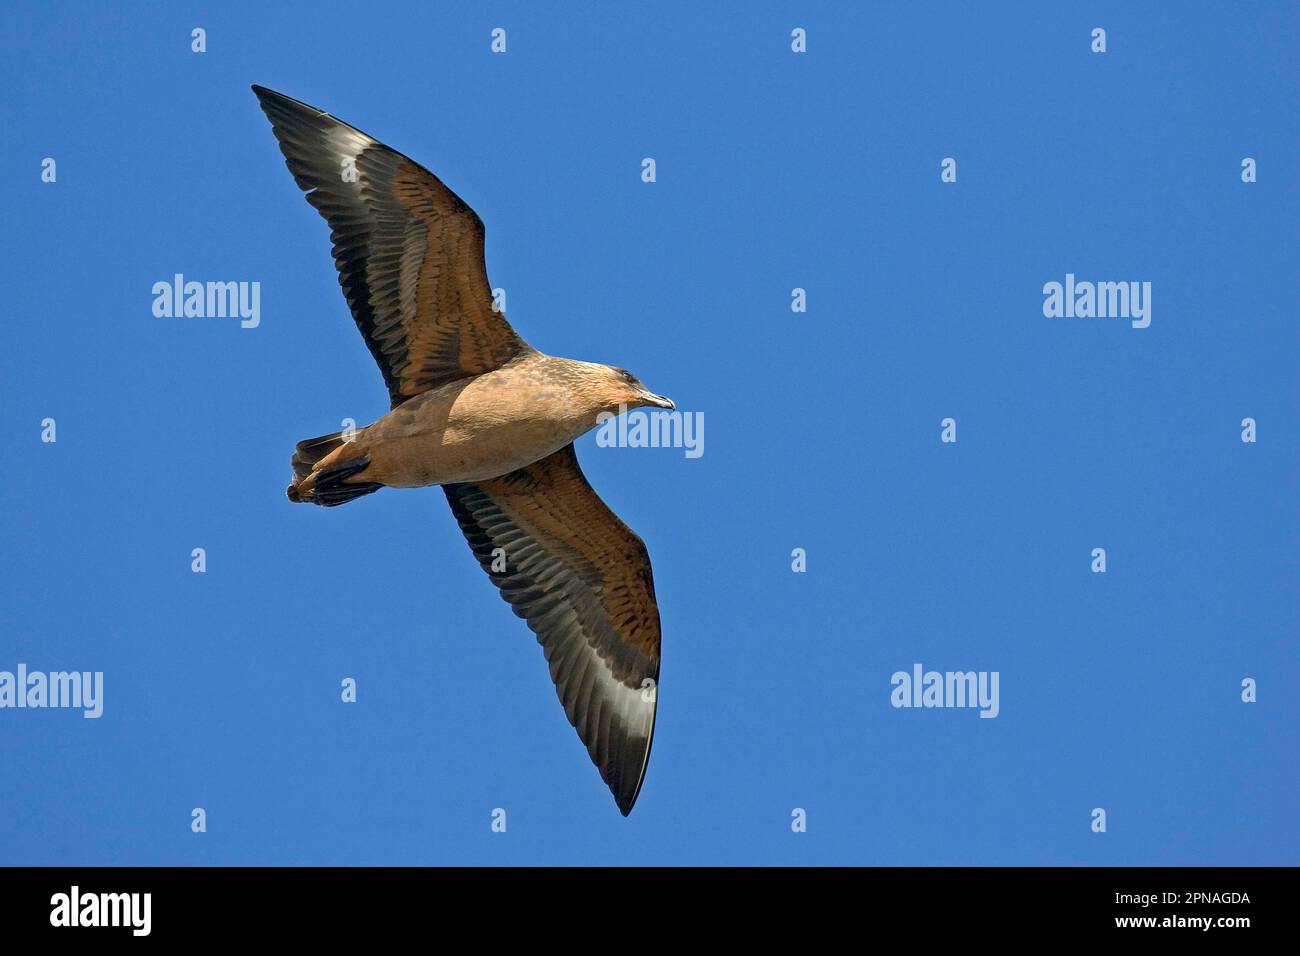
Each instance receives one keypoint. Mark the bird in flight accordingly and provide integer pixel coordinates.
(492, 420)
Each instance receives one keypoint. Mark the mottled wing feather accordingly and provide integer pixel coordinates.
(581, 579)
(409, 251)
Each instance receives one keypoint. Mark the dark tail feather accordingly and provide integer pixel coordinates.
(330, 489)
(326, 487)
(311, 450)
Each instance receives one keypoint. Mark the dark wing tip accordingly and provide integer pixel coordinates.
(278, 105)
(626, 796)
(264, 94)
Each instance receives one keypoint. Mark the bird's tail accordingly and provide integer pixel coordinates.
(321, 470)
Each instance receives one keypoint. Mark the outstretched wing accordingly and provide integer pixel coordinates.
(408, 250)
(581, 579)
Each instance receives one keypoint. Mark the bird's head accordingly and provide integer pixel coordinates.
(626, 389)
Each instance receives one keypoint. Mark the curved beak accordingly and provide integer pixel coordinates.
(662, 401)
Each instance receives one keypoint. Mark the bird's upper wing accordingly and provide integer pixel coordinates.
(581, 578)
(408, 250)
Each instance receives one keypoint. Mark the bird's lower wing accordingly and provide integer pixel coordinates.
(581, 579)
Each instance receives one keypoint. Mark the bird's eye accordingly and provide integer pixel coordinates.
(627, 376)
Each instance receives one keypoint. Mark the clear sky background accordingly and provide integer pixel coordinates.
(775, 170)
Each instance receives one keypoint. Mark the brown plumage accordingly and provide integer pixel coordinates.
(491, 419)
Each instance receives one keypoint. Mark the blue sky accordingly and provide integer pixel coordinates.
(774, 170)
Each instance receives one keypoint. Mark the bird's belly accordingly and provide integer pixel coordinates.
(443, 447)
